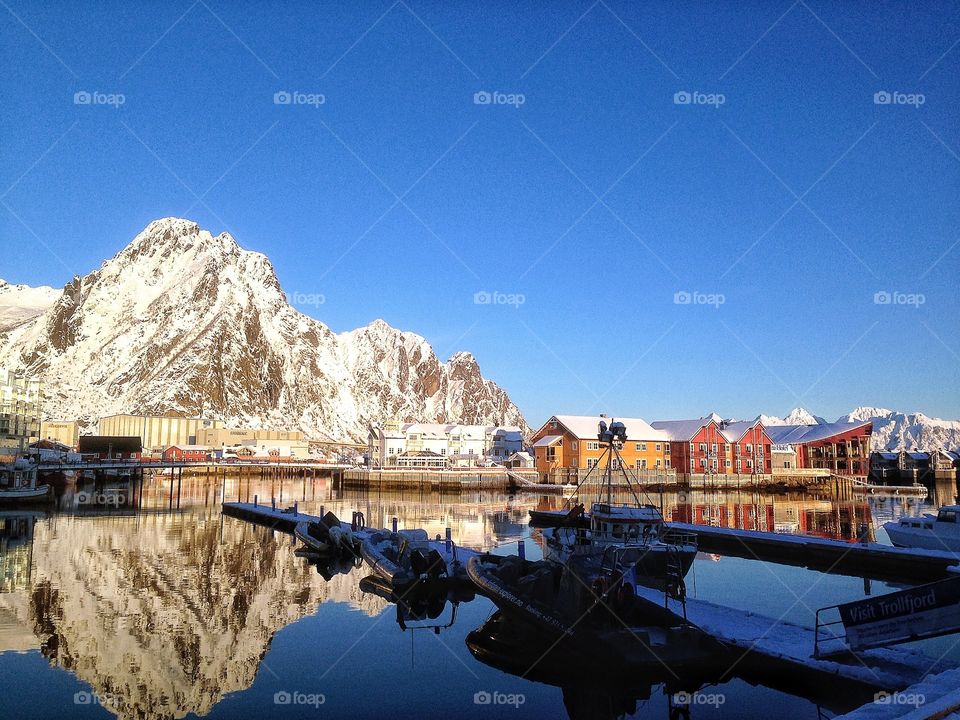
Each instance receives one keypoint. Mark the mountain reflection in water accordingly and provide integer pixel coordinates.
(167, 612)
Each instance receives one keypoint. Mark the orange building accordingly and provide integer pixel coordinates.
(567, 444)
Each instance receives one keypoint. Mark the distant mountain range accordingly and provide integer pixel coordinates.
(182, 321)
(892, 430)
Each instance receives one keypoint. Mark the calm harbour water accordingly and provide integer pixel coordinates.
(161, 613)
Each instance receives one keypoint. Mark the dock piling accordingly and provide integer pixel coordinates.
(393, 524)
(522, 549)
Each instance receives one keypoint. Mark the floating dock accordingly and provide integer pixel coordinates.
(873, 560)
(286, 519)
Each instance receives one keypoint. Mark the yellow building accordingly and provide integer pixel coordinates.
(157, 432)
(567, 444)
(218, 437)
(64, 431)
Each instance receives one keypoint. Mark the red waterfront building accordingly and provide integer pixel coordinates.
(841, 447)
(186, 453)
(713, 445)
(750, 447)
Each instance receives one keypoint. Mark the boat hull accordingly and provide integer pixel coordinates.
(302, 533)
(26, 496)
(925, 538)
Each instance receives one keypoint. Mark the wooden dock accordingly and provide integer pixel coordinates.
(873, 560)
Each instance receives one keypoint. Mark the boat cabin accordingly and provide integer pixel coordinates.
(948, 514)
(623, 524)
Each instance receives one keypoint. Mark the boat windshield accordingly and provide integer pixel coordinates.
(948, 516)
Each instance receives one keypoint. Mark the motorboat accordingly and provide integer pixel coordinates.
(327, 535)
(931, 532)
(407, 557)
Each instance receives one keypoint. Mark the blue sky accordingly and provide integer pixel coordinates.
(779, 201)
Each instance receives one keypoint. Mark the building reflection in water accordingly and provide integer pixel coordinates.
(163, 605)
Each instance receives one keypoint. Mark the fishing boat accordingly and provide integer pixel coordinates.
(594, 614)
(931, 532)
(637, 532)
(18, 484)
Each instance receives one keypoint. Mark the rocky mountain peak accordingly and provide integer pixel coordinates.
(183, 321)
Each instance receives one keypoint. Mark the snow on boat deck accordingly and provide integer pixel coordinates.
(791, 645)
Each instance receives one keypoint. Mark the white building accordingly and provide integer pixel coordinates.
(21, 402)
(397, 444)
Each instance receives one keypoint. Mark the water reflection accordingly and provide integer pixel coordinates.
(161, 604)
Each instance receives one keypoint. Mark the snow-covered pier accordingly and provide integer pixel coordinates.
(936, 696)
(885, 562)
(771, 650)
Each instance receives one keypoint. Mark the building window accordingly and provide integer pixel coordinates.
(749, 448)
(691, 449)
(726, 448)
(738, 448)
(551, 453)
(658, 463)
(658, 447)
(666, 449)
(667, 463)
(703, 462)
(703, 447)
(643, 447)
(593, 446)
(728, 463)
(553, 424)
(573, 445)
(713, 448)
(591, 463)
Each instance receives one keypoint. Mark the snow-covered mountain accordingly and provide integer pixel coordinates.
(797, 416)
(22, 303)
(183, 321)
(892, 430)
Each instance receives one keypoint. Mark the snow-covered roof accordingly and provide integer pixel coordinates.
(681, 429)
(548, 440)
(190, 448)
(437, 430)
(916, 455)
(585, 426)
(733, 431)
(792, 434)
(888, 455)
(520, 456)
